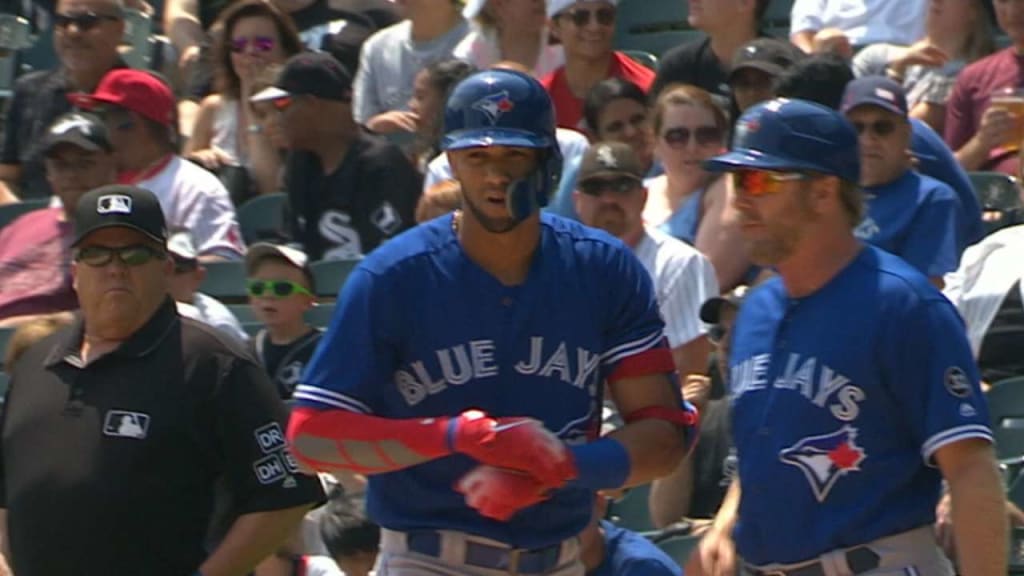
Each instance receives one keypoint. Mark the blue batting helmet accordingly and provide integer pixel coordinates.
(507, 108)
(784, 134)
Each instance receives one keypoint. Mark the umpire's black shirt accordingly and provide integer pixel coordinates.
(111, 468)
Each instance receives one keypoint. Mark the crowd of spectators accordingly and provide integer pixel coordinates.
(338, 104)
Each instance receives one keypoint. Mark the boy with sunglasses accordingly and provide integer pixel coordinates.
(911, 215)
(281, 290)
(586, 29)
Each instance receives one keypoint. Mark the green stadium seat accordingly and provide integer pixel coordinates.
(631, 510)
(679, 548)
(329, 275)
(225, 281)
(243, 312)
(137, 31)
(1000, 199)
(10, 212)
(653, 26)
(262, 218)
(5, 382)
(320, 315)
(1006, 417)
(5, 337)
(775, 21)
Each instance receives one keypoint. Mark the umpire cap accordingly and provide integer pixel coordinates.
(797, 135)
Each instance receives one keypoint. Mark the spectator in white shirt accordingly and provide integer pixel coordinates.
(513, 30)
(817, 25)
(184, 285)
(610, 195)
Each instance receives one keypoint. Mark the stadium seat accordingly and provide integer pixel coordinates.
(5, 336)
(776, 18)
(242, 312)
(645, 58)
(320, 315)
(15, 35)
(631, 510)
(1006, 417)
(329, 275)
(652, 26)
(225, 281)
(5, 381)
(137, 50)
(999, 197)
(9, 212)
(262, 218)
(679, 548)
(252, 328)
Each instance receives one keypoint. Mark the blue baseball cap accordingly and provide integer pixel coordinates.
(875, 91)
(792, 135)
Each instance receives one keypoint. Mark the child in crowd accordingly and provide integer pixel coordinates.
(280, 287)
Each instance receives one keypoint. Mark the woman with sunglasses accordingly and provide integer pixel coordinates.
(513, 30)
(686, 201)
(251, 35)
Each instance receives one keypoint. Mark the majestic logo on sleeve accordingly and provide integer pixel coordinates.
(494, 106)
(825, 459)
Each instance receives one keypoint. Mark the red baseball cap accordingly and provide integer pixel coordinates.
(131, 89)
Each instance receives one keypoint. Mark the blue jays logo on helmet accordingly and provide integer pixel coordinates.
(495, 105)
(507, 108)
(825, 459)
(784, 134)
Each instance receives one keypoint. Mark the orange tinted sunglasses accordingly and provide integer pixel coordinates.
(761, 182)
(281, 104)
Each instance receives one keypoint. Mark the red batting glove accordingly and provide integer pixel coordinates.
(521, 444)
(500, 494)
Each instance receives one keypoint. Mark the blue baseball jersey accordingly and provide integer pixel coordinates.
(916, 218)
(935, 159)
(422, 331)
(841, 399)
(627, 553)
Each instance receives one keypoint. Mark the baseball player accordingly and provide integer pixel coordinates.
(854, 392)
(463, 371)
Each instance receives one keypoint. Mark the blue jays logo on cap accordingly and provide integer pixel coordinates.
(826, 458)
(114, 204)
(494, 106)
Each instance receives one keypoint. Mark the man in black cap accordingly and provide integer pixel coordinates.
(121, 430)
(35, 248)
(348, 191)
(756, 65)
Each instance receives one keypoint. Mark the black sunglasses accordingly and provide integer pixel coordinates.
(82, 20)
(618, 186)
(680, 136)
(880, 128)
(580, 18)
(275, 288)
(134, 255)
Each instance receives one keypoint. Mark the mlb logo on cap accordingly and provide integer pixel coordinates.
(114, 204)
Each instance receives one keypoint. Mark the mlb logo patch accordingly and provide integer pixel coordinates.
(114, 204)
(125, 424)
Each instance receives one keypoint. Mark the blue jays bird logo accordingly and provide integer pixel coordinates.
(825, 459)
(494, 106)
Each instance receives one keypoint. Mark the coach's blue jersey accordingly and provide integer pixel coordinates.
(841, 399)
(421, 330)
(915, 217)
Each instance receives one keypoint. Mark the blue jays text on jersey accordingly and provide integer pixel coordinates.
(841, 399)
(423, 331)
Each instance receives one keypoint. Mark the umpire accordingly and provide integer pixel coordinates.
(118, 429)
